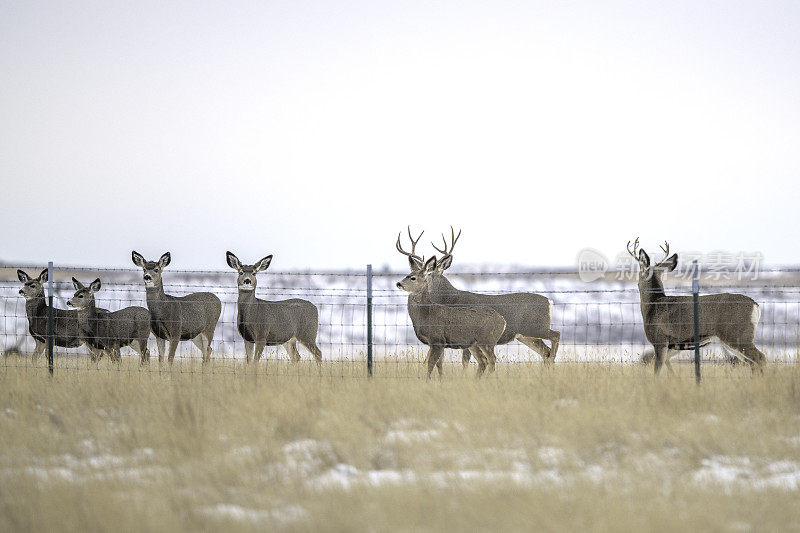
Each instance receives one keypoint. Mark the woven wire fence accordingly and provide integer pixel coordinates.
(599, 322)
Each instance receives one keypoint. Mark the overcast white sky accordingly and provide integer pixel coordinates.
(315, 131)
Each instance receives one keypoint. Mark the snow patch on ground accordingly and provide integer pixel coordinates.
(282, 515)
(68, 467)
(745, 472)
(411, 436)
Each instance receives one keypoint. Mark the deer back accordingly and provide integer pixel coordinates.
(276, 322)
(184, 317)
(525, 314)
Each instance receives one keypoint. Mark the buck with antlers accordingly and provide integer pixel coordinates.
(669, 320)
(474, 329)
(527, 315)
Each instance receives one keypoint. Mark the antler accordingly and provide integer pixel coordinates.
(453, 240)
(412, 254)
(635, 247)
(664, 249)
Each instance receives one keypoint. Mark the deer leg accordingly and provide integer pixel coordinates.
(737, 351)
(434, 359)
(94, 353)
(141, 348)
(754, 354)
(259, 350)
(248, 351)
(481, 358)
(491, 358)
(97, 354)
(429, 361)
(312, 347)
(203, 343)
(440, 362)
(553, 336)
(162, 348)
(291, 348)
(750, 353)
(537, 346)
(465, 355)
(669, 355)
(173, 346)
(38, 349)
(661, 352)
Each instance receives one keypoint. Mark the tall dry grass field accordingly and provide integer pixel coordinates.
(580, 447)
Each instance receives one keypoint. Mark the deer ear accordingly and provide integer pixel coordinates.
(670, 264)
(430, 265)
(23, 277)
(95, 285)
(414, 263)
(263, 264)
(164, 260)
(644, 259)
(137, 258)
(232, 260)
(43, 276)
(445, 263)
(77, 284)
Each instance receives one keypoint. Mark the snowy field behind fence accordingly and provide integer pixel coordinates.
(598, 320)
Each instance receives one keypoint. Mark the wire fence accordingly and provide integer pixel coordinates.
(598, 321)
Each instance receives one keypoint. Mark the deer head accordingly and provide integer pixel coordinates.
(32, 287)
(417, 280)
(647, 269)
(84, 296)
(151, 269)
(247, 273)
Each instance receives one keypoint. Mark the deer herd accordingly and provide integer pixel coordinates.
(442, 315)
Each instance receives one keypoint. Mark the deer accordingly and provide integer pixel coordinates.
(271, 323)
(527, 315)
(66, 332)
(177, 318)
(108, 331)
(473, 329)
(669, 320)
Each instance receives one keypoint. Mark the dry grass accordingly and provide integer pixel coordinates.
(579, 447)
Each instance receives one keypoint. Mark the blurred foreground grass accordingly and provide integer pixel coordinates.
(580, 447)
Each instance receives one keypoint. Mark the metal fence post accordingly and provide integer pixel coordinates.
(369, 320)
(50, 317)
(696, 301)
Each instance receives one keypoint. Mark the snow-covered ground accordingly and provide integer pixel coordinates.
(316, 465)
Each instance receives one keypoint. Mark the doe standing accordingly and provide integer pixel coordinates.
(177, 318)
(268, 323)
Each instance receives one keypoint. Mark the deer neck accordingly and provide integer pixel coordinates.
(440, 290)
(419, 304)
(246, 297)
(155, 294)
(87, 316)
(36, 307)
(651, 289)
(419, 308)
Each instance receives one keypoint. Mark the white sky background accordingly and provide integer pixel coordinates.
(316, 131)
